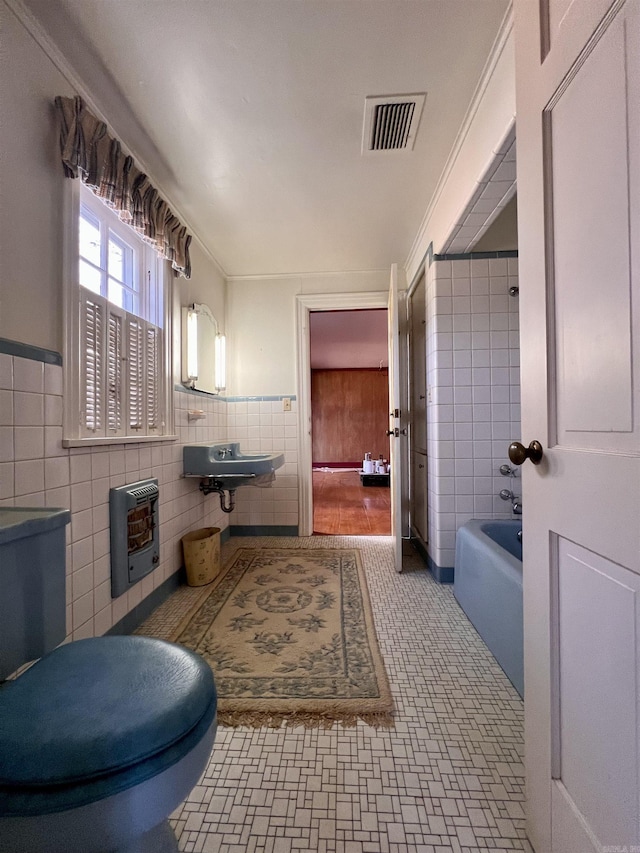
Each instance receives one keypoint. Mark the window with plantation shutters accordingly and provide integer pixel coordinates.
(92, 362)
(115, 356)
(120, 383)
(135, 373)
(151, 374)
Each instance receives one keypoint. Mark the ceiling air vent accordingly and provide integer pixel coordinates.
(391, 122)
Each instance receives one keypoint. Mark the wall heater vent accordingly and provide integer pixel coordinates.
(135, 541)
(391, 122)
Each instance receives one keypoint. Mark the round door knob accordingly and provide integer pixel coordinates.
(391, 432)
(518, 453)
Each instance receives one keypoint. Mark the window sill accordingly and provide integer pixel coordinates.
(125, 439)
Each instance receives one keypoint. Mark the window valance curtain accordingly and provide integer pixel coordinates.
(91, 153)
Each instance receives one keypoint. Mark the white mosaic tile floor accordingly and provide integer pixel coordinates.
(448, 777)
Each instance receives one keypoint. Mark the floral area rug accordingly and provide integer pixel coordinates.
(290, 638)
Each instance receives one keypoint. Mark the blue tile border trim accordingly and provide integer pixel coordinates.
(431, 256)
(225, 534)
(28, 351)
(134, 618)
(443, 574)
(264, 530)
(275, 398)
(474, 256)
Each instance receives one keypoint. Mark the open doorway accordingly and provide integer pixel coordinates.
(349, 419)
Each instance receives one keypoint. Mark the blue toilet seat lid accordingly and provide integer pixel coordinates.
(97, 706)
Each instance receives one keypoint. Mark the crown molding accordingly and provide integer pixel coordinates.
(233, 279)
(354, 301)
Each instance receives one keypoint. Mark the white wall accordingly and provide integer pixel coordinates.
(261, 341)
(32, 191)
(31, 223)
(261, 325)
(206, 284)
(259, 318)
(35, 469)
(488, 122)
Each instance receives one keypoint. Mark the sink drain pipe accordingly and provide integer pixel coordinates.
(209, 486)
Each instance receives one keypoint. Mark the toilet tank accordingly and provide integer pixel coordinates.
(32, 584)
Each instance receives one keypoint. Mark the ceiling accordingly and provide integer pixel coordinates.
(250, 114)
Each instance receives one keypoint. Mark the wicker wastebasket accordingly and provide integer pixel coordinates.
(201, 549)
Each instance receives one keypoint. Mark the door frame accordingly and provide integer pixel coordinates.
(305, 304)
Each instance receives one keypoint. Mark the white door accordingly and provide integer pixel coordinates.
(395, 422)
(578, 143)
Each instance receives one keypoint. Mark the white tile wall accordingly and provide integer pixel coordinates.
(473, 409)
(36, 470)
(263, 425)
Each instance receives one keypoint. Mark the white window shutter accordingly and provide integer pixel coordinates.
(116, 362)
(115, 374)
(92, 311)
(153, 379)
(135, 375)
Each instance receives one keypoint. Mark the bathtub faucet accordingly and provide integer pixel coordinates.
(516, 503)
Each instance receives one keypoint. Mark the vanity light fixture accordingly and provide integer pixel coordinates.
(203, 350)
(192, 345)
(220, 363)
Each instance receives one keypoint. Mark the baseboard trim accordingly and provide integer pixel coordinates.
(263, 530)
(357, 465)
(134, 618)
(443, 574)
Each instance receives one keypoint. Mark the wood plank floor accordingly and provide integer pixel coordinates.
(343, 506)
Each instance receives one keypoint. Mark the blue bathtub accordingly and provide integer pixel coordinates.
(488, 587)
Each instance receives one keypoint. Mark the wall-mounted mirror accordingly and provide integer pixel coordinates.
(203, 350)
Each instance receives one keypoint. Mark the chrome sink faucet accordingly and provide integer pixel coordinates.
(224, 452)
